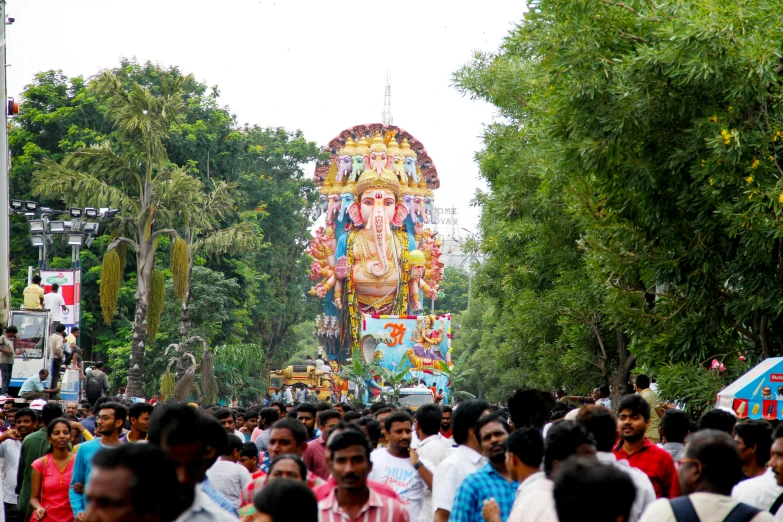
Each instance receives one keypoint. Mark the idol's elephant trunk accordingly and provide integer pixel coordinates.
(341, 215)
(379, 224)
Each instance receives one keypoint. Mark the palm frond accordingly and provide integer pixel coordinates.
(176, 193)
(236, 238)
(107, 165)
(79, 188)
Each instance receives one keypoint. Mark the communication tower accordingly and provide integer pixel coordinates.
(386, 116)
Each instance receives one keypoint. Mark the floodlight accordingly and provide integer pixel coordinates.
(37, 240)
(91, 228)
(56, 226)
(91, 212)
(75, 212)
(31, 205)
(36, 225)
(110, 213)
(17, 204)
(75, 239)
(46, 211)
(76, 224)
(89, 241)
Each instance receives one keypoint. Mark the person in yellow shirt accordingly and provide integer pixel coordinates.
(642, 387)
(34, 295)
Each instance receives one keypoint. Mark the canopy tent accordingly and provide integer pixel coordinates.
(758, 394)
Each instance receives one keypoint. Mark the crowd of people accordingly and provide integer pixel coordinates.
(530, 458)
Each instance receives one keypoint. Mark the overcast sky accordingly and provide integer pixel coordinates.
(315, 65)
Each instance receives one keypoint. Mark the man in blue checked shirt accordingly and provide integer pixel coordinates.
(491, 481)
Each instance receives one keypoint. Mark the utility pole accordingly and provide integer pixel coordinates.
(5, 229)
(386, 116)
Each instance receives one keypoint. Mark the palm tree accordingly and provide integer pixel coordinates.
(133, 175)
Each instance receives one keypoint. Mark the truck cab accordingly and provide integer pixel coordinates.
(30, 353)
(414, 398)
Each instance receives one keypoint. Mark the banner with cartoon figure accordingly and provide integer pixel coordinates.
(758, 394)
(70, 289)
(421, 344)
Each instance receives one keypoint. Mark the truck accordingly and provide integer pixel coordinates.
(414, 398)
(299, 375)
(30, 353)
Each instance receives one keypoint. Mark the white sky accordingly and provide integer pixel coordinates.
(315, 65)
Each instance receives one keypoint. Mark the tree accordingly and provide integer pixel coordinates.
(135, 177)
(655, 131)
(455, 286)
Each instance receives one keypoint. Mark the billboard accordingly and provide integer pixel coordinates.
(70, 288)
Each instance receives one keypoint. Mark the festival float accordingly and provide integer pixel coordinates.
(376, 261)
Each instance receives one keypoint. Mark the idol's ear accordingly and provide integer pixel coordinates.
(355, 214)
(400, 213)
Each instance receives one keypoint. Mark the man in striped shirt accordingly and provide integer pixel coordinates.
(352, 500)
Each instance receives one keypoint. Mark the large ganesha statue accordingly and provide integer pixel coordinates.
(374, 256)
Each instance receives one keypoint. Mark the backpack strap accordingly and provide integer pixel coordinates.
(776, 505)
(741, 513)
(683, 510)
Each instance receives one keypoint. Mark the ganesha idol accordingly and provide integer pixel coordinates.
(374, 226)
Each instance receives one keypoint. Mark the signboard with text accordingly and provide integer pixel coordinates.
(70, 289)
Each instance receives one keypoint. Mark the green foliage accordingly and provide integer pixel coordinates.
(455, 286)
(695, 387)
(634, 191)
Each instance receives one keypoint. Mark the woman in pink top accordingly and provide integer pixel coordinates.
(52, 476)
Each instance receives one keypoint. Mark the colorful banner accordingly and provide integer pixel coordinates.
(758, 394)
(70, 289)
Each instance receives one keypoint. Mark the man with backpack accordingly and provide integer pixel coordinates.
(709, 469)
(96, 384)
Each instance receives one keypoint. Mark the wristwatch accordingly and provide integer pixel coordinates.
(417, 465)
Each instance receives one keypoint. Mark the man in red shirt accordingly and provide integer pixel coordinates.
(352, 500)
(314, 457)
(633, 420)
(445, 423)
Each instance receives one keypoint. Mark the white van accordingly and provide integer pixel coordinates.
(414, 398)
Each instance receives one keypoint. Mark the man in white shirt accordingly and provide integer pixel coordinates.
(601, 423)
(432, 450)
(399, 467)
(708, 471)
(465, 459)
(10, 451)
(55, 303)
(227, 475)
(776, 466)
(566, 438)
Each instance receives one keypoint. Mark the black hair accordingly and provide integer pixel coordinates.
(249, 449)
(99, 364)
(287, 501)
(323, 406)
(601, 423)
(350, 436)
(26, 412)
(279, 404)
(136, 409)
(214, 435)
(42, 372)
(636, 404)
(154, 475)
(224, 413)
(297, 429)
(50, 412)
(344, 405)
(306, 407)
(385, 409)
(176, 424)
(718, 455)
(604, 390)
(530, 408)
(756, 433)
(675, 425)
(528, 445)
(12, 329)
(36, 279)
(488, 419)
(428, 419)
(375, 406)
(120, 411)
(397, 416)
(99, 404)
(269, 415)
(50, 429)
(74, 329)
(351, 416)
(642, 381)
(327, 415)
(373, 429)
(251, 414)
(563, 440)
(60, 328)
(446, 408)
(296, 458)
(233, 443)
(580, 481)
(465, 417)
(718, 419)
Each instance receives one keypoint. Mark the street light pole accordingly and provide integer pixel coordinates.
(5, 239)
